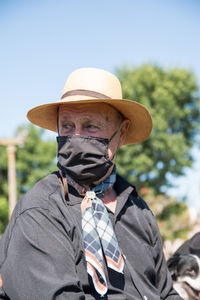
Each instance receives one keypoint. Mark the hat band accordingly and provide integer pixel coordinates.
(85, 93)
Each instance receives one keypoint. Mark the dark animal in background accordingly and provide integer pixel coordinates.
(184, 267)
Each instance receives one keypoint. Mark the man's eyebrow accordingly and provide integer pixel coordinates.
(94, 121)
(64, 117)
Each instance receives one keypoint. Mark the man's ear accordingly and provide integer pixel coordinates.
(123, 131)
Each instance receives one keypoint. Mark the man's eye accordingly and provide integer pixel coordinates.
(67, 126)
(92, 127)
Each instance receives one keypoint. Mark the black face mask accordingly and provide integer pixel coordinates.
(84, 158)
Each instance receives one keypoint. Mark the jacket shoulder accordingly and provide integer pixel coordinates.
(39, 195)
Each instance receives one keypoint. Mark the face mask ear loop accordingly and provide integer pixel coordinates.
(113, 156)
(114, 134)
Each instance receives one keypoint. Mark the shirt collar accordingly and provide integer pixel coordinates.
(121, 186)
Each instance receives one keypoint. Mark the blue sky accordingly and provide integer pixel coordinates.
(43, 41)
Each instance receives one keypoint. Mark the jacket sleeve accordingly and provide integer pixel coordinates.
(40, 260)
(164, 281)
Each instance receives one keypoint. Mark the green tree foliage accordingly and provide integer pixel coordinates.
(3, 172)
(172, 99)
(3, 189)
(3, 213)
(34, 160)
(173, 217)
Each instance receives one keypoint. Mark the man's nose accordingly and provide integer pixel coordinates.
(78, 130)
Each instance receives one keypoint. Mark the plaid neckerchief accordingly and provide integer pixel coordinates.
(108, 182)
(99, 238)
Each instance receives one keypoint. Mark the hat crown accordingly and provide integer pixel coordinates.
(94, 80)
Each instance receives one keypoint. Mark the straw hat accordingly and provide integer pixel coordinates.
(90, 85)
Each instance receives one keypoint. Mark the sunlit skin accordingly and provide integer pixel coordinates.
(97, 120)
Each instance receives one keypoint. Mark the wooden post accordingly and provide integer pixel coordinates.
(12, 182)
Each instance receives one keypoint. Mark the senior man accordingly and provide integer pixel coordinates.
(83, 232)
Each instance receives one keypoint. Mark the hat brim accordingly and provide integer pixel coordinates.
(45, 116)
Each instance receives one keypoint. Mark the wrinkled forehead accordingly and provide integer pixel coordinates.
(103, 110)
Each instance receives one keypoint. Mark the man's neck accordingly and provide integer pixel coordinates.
(109, 198)
(81, 189)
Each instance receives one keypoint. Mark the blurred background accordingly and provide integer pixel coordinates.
(153, 47)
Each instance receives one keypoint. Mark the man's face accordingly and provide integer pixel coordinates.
(96, 119)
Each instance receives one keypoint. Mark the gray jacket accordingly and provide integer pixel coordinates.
(42, 256)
